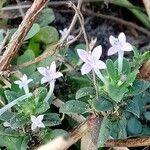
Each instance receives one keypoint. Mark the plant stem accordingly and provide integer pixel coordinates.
(50, 92)
(98, 73)
(11, 104)
(94, 82)
(120, 62)
(26, 89)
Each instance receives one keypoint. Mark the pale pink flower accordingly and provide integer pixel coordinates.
(23, 83)
(119, 44)
(64, 33)
(49, 74)
(91, 59)
(37, 122)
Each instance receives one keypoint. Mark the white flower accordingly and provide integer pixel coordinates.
(119, 44)
(91, 59)
(23, 83)
(64, 33)
(49, 73)
(37, 122)
(6, 124)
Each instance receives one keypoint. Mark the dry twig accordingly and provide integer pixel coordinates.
(18, 37)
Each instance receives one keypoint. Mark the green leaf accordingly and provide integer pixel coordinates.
(105, 131)
(147, 116)
(133, 107)
(131, 78)
(46, 17)
(18, 121)
(51, 119)
(126, 69)
(27, 56)
(138, 87)
(112, 70)
(73, 106)
(10, 95)
(117, 93)
(47, 35)
(46, 62)
(40, 92)
(118, 130)
(134, 126)
(85, 91)
(22, 143)
(6, 116)
(8, 138)
(36, 76)
(102, 104)
(34, 30)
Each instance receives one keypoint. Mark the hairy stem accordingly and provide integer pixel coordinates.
(50, 92)
(11, 104)
(120, 62)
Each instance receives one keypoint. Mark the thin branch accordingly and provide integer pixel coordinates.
(119, 20)
(18, 37)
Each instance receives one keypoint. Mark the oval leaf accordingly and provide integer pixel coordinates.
(73, 106)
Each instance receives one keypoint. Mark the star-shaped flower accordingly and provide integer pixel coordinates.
(49, 73)
(37, 122)
(64, 32)
(119, 44)
(91, 59)
(23, 83)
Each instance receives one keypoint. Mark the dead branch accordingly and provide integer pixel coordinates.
(18, 37)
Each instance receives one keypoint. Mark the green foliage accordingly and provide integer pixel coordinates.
(34, 30)
(85, 91)
(112, 71)
(117, 93)
(138, 87)
(46, 17)
(27, 56)
(105, 131)
(102, 104)
(73, 106)
(133, 107)
(134, 126)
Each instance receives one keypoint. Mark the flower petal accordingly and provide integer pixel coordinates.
(112, 40)
(17, 82)
(43, 71)
(122, 37)
(57, 75)
(33, 126)
(83, 54)
(86, 68)
(53, 67)
(127, 47)
(97, 52)
(29, 80)
(40, 117)
(100, 65)
(112, 50)
(45, 79)
(33, 118)
(41, 125)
